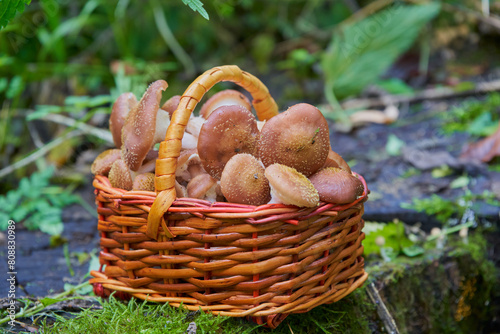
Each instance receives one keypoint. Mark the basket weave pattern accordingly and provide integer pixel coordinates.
(237, 260)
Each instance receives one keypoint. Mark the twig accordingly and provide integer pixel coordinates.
(39, 152)
(492, 21)
(426, 94)
(88, 129)
(382, 311)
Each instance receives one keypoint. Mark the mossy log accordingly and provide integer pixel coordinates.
(444, 291)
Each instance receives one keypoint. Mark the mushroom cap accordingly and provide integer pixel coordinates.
(171, 104)
(291, 187)
(103, 162)
(200, 185)
(144, 181)
(243, 181)
(229, 130)
(297, 138)
(138, 132)
(120, 176)
(122, 106)
(222, 98)
(335, 185)
(335, 160)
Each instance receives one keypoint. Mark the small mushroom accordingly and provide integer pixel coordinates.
(122, 106)
(335, 185)
(120, 175)
(144, 182)
(223, 98)
(229, 130)
(102, 164)
(296, 138)
(288, 186)
(137, 133)
(203, 187)
(335, 160)
(243, 181)
(183, 161)
(171, 104)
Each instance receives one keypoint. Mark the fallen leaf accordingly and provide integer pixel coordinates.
(484, 150)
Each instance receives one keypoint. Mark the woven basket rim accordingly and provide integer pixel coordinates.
(252, 214)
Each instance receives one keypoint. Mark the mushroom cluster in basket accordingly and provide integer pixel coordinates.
(227, 155)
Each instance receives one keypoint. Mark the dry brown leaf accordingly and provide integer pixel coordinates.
(484, 150)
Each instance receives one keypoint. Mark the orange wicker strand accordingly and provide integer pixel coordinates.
(236, 260)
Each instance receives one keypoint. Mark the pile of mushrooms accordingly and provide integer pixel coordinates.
(227, 155)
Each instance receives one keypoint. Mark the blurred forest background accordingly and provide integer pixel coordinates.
(406, 86)
(63, 63)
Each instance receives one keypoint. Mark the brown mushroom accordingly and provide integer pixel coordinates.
(120, 175)
(335, 185)
(335, 160)
(102, 164)
(203, 187)
(229, 130)
(297, 138)
(137, 133)
(288, 186)
(144, 182)
(171, 104)
(243, 181)
(121, 108)
(223, 98)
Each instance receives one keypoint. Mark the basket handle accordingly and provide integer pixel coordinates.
(170, 148)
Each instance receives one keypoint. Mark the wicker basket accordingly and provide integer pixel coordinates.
(236, 260)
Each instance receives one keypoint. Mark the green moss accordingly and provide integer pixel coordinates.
(443, 291)
(353, 314)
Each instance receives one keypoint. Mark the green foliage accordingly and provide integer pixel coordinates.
(36, 203)
(395, 86)
(435, 205)
(389, 240)
(444, 209)
(8, 9)
(362, 51)
(478, 118)
(197, 6)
